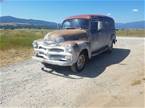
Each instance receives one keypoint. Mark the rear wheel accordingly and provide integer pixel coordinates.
(110, 47)
(80, 64)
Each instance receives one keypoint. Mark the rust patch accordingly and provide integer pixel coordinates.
(60, 33)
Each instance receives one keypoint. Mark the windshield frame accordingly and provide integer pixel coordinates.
(76, 27)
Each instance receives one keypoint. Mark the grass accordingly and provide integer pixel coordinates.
(19, 38)
(14, 55)
(136, 82)
(131, 33)
(16, 45)
(23, 38)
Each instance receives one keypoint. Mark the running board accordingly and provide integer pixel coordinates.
(100, 51)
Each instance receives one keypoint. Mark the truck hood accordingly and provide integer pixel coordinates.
(67, 34)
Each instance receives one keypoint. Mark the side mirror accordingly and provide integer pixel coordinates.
(100, 26)
(59, 26)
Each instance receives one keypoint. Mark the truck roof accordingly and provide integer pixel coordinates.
(87, 16)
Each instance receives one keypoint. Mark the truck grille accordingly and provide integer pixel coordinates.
(56, 50)
(50, 53)
(52, 49)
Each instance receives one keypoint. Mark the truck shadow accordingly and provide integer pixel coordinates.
(96, 65)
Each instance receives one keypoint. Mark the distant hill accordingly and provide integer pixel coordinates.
(131, 25)
(9, 22)
(13, 22)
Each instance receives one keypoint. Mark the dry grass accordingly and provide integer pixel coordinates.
(19, 38)
(131, 33)
(136, 82)
(14, 55)
(16, 45)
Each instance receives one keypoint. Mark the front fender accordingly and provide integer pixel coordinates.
(79, 47)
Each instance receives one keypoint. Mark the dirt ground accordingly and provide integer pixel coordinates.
(113, 80)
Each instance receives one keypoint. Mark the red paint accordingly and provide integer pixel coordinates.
(87, 16)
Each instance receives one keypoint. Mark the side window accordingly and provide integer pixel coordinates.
(94, 26)
(106, 25)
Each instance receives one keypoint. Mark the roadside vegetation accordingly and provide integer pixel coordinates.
(20, 38)
(131, 33)
(23, 38)
(16, 45)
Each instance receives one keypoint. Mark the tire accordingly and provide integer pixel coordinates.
(110, 47)
(44, 64)
(80, 64)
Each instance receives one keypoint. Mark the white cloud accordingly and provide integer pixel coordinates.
(109, 14)
(135, 10)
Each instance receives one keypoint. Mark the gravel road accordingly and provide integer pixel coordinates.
(109, 80)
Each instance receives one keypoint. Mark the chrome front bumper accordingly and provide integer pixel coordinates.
(53, 62)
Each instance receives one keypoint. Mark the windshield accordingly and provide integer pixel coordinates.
(75, 23)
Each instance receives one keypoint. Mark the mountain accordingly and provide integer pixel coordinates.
(131, 25)
(9, 21)
(13, 22)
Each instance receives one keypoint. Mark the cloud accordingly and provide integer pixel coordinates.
(135, 10)
(109, 14)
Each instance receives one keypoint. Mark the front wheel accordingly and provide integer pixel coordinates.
(80, 64)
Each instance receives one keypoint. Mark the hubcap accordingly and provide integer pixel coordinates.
(81, 62)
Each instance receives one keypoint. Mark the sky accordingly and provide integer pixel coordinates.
(57, 10)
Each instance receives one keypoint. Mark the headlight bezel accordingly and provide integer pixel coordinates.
(35, 44)
(69, 48)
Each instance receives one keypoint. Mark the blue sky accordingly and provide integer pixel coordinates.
(57, 10)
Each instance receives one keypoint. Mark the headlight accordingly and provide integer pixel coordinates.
(35, 44)
(69, 48)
